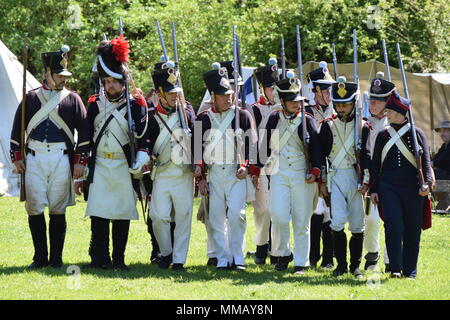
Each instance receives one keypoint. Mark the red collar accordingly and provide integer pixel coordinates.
(160, 109)
(44, 86)
(262, 101)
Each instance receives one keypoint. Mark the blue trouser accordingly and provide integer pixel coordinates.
(402, 210)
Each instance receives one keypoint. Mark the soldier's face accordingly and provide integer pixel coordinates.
(113, 87)
(269, 95)
(222, 102)
(444, 133)
(344, 109)
(394, 116)
(292, 106)
(323, 97)
(376, 107)
(169, 99)
(59, 81)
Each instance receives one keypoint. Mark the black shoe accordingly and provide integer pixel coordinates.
(165, 262)
(212, 262)
(37, 265)
(121, 266)
(327, 266)
(56, 264)
(178, 267)
(371, 260)
(387, 269)
(299, 270)
(283, 262)
(155, 260)
(251, 254)
(339, 271)
(357, 273)
(240, 267)
(396, 275)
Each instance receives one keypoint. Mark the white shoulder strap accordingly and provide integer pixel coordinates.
(343, 151)
(395, 139)
(164, 134)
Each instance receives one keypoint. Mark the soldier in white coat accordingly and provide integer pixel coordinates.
(379, 92)
(293, 172)
(170, 130)
(337, 137)
(319, 95)
(225, 166)
(260, 111)
(109, 186)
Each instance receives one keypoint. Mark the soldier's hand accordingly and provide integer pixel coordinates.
(78, 187)
(20, 166)
(310, 178)
(424, 191)
(198, 171)
(203, 187)
(78, 171)
(374, 198)
(255, 181)
(324, 190)
(363, 189)
(241, 173)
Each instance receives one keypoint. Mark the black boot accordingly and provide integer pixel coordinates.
(120, 229)
(314, 235)
(57, 233)
(38, 230)
(283, 262)
(99, 246)
(327, 242)
(356, 248)
(261, 254)
(154, 256)
(340, 250)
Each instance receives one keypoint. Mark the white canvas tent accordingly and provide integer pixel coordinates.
(11, 79)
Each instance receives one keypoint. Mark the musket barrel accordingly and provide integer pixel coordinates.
(161, 40)
(355, 57)
(386, 59)
(335, 61)
(283, 60)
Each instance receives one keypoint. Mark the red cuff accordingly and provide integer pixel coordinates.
(254, 170)
(245, 164)
(315, 172)
(16, 156)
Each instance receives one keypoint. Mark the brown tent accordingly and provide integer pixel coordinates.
(430, 98)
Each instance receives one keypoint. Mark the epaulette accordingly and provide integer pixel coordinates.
(329, 119)
(140, 101)
(93, 98)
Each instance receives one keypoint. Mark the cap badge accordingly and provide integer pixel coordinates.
(341, 91)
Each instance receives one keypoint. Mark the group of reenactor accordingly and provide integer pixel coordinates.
(229, 155)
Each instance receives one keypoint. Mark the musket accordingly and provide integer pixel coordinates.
(386, 59)
(357, 141)
(305, 134)
(131, 124)
(161, 40)
(22, 196)
(283, 60)
(243, 104)
(336, 74)
(417, 148)
(181, 111)
(238, 135)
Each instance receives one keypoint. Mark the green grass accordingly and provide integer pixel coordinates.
(146, 281)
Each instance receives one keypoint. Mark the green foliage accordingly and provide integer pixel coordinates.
(204, 32)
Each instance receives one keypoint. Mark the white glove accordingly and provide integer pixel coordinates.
(142, 158)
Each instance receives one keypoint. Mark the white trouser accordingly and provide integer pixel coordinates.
(322, 209)
(290, 196)
(371, 232)
(211, 246)
(372, 226)
(227, 202)
(176, 191)
(346, 201)
(261, 210)
(48, 180)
